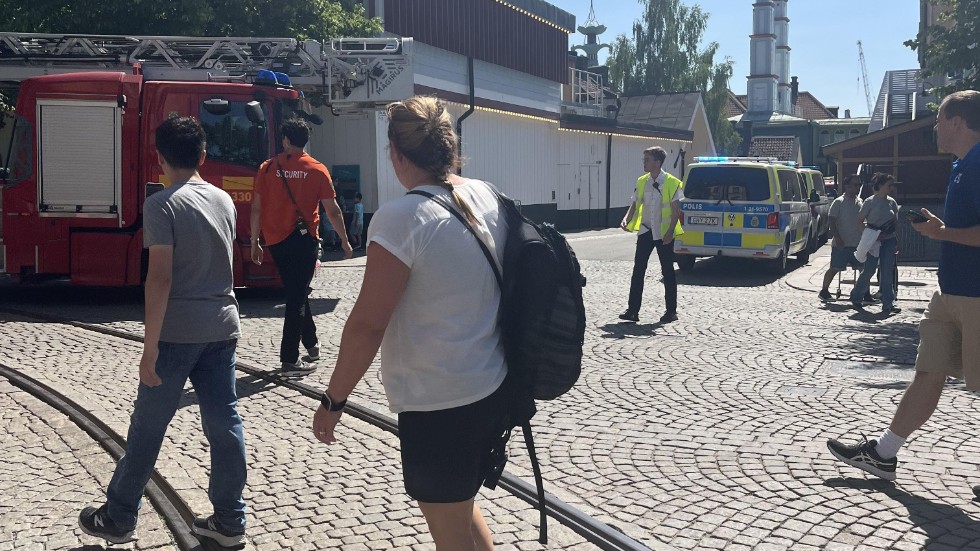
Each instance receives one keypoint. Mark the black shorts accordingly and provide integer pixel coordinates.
(446, 454)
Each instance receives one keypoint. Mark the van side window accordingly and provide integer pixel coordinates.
(790, 185)
(818, 184)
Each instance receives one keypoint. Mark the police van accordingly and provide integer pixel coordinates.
(749, 207)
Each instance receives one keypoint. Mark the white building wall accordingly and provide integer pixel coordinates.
(627, 165)
(388, 186)
(517, 154)
(348, 140)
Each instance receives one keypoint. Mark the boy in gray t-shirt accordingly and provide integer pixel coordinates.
(191, 332)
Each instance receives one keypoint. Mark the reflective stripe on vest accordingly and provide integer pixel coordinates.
(671, 185)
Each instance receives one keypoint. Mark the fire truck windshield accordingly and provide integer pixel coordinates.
(233, 138)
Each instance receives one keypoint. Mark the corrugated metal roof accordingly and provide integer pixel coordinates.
(901, 90)
(661, 110)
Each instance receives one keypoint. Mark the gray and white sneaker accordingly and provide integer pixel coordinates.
(296, 369)
(863, 456)
(210, 528)
(313, 353)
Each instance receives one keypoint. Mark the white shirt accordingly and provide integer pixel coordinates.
(653, 205)
(442, 346)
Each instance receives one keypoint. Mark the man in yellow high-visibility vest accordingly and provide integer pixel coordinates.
(655, 214)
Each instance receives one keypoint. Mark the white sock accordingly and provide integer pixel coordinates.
(889, 444)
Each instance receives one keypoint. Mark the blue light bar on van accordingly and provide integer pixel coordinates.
(710, 159)
(770, 160)
(283, 79)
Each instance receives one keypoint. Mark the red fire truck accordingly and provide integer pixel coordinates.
(77, 156)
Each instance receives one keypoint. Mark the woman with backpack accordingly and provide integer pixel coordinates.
(430, 301)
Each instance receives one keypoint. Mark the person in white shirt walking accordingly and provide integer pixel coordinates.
(655, 214)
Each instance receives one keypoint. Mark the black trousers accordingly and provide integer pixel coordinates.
(295, 259)
(644, 248)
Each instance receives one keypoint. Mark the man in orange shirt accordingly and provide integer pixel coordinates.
(288, 190)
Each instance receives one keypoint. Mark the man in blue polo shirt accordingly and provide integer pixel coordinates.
(948, 344)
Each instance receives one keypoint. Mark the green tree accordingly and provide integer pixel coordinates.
(664, 55)
(302, 19)
(950, 47)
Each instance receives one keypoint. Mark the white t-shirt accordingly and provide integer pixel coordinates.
(442, 346)
(653, 205)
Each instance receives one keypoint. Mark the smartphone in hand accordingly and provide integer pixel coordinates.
(916, 217)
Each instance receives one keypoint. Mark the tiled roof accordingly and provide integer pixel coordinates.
(806, 107)
(784, 148)
(735, 106)
(809, 108)
(661, 110)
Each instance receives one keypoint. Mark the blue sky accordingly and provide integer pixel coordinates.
(823, 36)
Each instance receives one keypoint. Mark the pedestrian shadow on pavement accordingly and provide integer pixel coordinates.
(628, 329)
(245, 386)
(730, 272)
(943, 524)
(271, 303)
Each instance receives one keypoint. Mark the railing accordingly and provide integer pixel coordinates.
(586, 88)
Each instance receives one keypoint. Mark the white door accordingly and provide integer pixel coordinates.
(588, 195)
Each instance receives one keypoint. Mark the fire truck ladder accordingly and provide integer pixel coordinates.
(337, 66)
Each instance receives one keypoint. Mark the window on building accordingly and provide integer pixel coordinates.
(825, 137)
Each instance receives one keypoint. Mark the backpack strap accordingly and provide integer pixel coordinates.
(529, 443)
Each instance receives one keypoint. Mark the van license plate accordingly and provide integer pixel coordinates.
(704, 220)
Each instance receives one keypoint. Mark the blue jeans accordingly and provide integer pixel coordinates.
(211, 369)
(886, 272)
(863, 283)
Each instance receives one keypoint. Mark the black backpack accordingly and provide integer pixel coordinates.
(542, 321)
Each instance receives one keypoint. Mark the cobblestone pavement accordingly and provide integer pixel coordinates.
(708, 433)
(50, 470)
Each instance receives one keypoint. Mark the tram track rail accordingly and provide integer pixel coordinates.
(178, 515)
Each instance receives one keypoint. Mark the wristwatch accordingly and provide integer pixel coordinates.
(328, 403)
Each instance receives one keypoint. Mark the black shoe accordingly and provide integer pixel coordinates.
(210, 528)
(863, 456)
(95, 522)
(825, 295)
(870, 299)
(976, 491)
(629, 316)
(890, 311)
(668, 317)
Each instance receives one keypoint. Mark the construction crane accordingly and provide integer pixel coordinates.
(864, 77)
